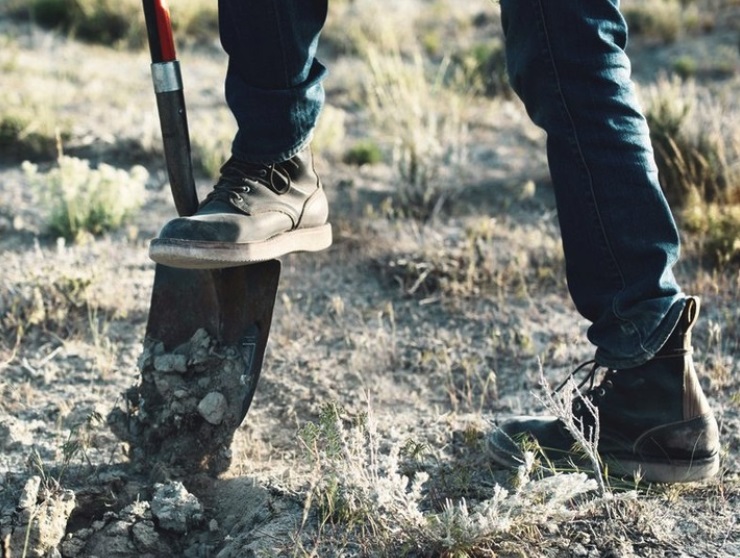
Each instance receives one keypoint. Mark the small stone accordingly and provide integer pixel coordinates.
(213, 407)
(213, 525)
(30, 493)
(171, 363)
(175, 508)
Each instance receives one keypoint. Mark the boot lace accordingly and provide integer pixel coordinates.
(240, 178)
(593, 393)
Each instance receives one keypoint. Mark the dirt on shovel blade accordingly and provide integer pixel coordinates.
(183, 415)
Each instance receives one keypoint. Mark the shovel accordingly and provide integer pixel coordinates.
(207, 329)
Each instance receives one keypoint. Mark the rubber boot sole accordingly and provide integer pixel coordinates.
(193, 254)
(693, 470)
(669, 471)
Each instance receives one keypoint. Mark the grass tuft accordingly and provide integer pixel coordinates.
(426, 123)
(80, 200)
(364, 486)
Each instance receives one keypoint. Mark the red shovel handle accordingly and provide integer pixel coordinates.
(171, 106)
(159, 30)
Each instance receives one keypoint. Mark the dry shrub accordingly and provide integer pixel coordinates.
(424, 121)
(119, 22)
(80, 200)
(372, 489)
(58, 304)
(697, 150)
(664, 20)
(697, 147)
(490, 257)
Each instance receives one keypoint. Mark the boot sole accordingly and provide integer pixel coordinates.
(672, 472)
(190, 254)
(693, 470)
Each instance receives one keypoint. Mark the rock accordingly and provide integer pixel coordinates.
(171, 362)
(43, 523)
(213, 407)
(145, 537)
(174, 508)
(30, 493)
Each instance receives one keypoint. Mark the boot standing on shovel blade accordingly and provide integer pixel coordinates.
(269, 201)
(567, 63)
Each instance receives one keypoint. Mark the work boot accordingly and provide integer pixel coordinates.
(255, 212)
(655, 422)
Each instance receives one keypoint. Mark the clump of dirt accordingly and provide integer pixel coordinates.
(182, 417)
(39, 519)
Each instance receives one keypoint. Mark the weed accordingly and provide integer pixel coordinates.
(358, 486)
(211, 138)
(329, 135)
(78, 442)
(472, 264)
(482, 69)
(660, 19)
(425, 122)
(195, 21)
(57, 304)
(685, 67)
(696, 149)
(587, 439)
(118, 22)
(717, 229)
(23, 135)
(365, 152)
(100, 21)
(79, 199)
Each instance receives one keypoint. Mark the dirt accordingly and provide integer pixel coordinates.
(112, 446)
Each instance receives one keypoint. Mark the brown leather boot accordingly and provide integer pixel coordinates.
(654, 419)
(255, 212)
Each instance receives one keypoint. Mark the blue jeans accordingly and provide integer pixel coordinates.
(566, 61)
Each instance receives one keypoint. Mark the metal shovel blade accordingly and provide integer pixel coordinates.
(233, 305)
(205, 343)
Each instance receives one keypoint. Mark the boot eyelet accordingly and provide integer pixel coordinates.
(601, 392)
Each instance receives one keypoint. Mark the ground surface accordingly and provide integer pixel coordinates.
(361, 326)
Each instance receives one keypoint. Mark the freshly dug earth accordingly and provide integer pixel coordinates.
(190, 402)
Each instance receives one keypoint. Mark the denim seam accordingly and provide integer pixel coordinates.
(575, 144)
(278, 28)
(574, 136)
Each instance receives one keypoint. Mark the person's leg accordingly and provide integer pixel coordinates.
(269, 200)
(567, 63)
(273, 81)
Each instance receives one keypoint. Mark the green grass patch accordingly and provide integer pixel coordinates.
(80, 200)
(365, 152)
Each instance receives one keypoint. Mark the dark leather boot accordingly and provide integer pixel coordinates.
(655, 422)
(255, 212)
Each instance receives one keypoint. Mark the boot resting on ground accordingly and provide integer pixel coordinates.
(654, 419)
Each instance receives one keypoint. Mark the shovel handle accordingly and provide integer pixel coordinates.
(173, 118)
(159, 30)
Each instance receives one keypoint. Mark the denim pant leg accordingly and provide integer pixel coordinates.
(273, 80)
(567, 63)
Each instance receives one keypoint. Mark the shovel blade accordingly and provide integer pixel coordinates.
(225, 302)
(233, 305)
